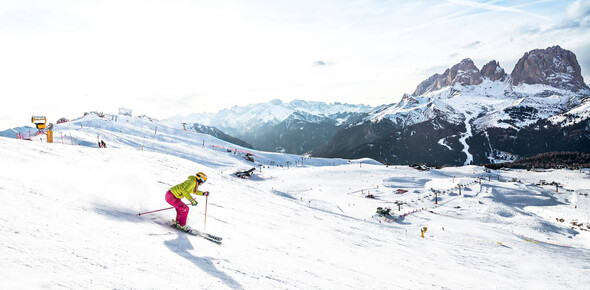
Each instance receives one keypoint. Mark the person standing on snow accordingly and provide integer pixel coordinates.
(174, 195)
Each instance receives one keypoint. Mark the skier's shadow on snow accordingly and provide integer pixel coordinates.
(181, 247)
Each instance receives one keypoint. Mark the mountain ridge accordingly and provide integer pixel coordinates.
(295, 127)
(481, 111)
(487, 113)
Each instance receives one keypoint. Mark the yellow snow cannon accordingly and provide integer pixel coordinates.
(39, 122)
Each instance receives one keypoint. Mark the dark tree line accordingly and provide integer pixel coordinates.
(571, 160)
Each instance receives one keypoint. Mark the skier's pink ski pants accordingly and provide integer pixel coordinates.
(181, 208)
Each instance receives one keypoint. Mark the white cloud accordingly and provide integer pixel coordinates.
(577, 15)
(500, 8)
(579, 9)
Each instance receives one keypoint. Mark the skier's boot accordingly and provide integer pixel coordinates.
(185, 228)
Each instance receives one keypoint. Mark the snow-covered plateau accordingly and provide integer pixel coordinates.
(68, 218)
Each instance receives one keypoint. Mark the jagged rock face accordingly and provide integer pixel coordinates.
(552, 66)
(464, 73)
(426, 85)
(493, 71)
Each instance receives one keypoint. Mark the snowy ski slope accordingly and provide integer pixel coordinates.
(68, 218)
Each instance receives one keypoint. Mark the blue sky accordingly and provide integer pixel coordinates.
(162, 58)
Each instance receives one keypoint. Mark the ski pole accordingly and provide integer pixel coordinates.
(154, 211)
(160, 210)
(205, 222)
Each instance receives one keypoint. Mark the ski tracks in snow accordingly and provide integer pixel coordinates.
(464, 136)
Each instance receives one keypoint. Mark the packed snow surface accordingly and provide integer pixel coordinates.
(68, 218)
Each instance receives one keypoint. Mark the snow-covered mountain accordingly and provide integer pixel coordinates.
(68, 218)
(465, 115)
(294, 127)
(239, 118)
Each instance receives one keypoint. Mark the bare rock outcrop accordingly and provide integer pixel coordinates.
(464, 73)
(553, 66)
(493, 71)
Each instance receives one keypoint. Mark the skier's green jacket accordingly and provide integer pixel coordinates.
(186, 188)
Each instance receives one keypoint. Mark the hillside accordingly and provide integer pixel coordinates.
(570, 160)
(68, 218)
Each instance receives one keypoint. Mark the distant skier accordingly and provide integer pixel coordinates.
(174, 195)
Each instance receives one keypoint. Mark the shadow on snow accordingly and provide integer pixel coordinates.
(181, 246)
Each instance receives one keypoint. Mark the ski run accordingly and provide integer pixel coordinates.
(68, 218)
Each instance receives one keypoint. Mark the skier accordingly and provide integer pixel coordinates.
(174, 195)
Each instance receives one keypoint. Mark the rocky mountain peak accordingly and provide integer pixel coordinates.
(553, 66)
(464, 73)
(493, 71)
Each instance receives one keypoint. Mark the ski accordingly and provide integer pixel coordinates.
(206, 236)
(217, 238)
